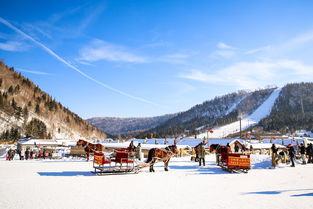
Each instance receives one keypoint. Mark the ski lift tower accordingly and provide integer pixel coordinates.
(240, 118)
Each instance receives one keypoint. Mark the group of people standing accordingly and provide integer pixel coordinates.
(279, 155)
(26, 155)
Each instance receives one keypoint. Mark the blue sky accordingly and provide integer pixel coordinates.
(147, 58)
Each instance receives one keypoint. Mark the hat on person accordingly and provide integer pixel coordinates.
(289, 145)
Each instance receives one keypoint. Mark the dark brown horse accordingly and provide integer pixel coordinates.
(89, 147)
(156, 154)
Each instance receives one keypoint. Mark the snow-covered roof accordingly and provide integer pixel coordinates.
(38, 142)
(143, 146)
(264, 145)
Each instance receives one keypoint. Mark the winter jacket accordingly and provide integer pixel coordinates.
(201, 151)
(291, 152)
(274, 149)
(302, 150)
(309, 150)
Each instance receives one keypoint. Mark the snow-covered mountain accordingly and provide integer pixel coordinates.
(215, 113)
(128, 127)
(26, 110)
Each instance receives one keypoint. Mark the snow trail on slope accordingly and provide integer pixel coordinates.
(261, 112)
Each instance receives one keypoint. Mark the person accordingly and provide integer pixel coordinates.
(31, 154)
(281, 157)
(309, 152)
(228, 148)
(236, 148)
(26, 154)
(44, 153)
(131, 146)
(138, 152)
(302, 152)
(201, 154)
(274, 155)
(251, 149)
(291, 153)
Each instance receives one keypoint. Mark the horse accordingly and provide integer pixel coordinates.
(156, 154)
(213, 147)
(89, 147)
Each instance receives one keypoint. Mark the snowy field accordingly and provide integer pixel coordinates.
(69, 184)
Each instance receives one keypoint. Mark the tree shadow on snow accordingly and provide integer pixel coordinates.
(67, 173)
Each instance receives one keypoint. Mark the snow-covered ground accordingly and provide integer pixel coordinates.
(70, 184)
(261, 112)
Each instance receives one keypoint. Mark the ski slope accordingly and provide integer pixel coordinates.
(261, 112)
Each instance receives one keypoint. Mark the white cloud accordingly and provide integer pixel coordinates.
(222, 45)
(222, 54)
(255, 74)
(12, 46)
(176, 58)
(260, 49)
(101, 50)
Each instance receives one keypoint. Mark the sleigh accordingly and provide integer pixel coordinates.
(234, 162)
(120, 163)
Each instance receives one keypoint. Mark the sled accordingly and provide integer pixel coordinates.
(120, 163)
(234, 162)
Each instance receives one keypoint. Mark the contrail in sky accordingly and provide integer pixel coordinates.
(5, 22)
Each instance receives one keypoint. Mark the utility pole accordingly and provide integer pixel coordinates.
(240, 116)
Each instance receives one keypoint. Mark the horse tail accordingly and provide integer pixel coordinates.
(150, 155)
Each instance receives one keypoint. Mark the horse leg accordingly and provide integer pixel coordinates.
(152, 164)
(87, 156)
(166, 165)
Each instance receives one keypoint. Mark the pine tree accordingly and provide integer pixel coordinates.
(37, 109)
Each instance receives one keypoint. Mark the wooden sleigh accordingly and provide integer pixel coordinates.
(232, 162)
(235, 162)
(121, 163)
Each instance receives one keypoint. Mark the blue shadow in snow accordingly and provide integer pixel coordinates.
(281, 191)
(266, 192)
(200, 170)
(302, 195)
(67, 173)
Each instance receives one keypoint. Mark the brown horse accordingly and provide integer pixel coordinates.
(156, 154)
(89, 147)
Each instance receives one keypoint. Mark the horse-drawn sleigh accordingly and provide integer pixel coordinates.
(123, 160)
(232, 162)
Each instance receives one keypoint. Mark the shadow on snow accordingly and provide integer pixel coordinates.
(275, 192)
(67, 173)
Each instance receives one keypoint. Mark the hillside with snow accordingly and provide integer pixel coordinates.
(27, 110)
(247, 121)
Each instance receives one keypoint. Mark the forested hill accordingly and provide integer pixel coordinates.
(292, 111)
(217, 112)
(128, 127)
(26, 110)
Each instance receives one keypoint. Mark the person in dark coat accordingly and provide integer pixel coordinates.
(292, 154)
(309, 152)
(131, 147)
(201, 154)
(26, 154)
(31, 154)
(44, 153)
(302, 152)
(236, 148)
(274, 155)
